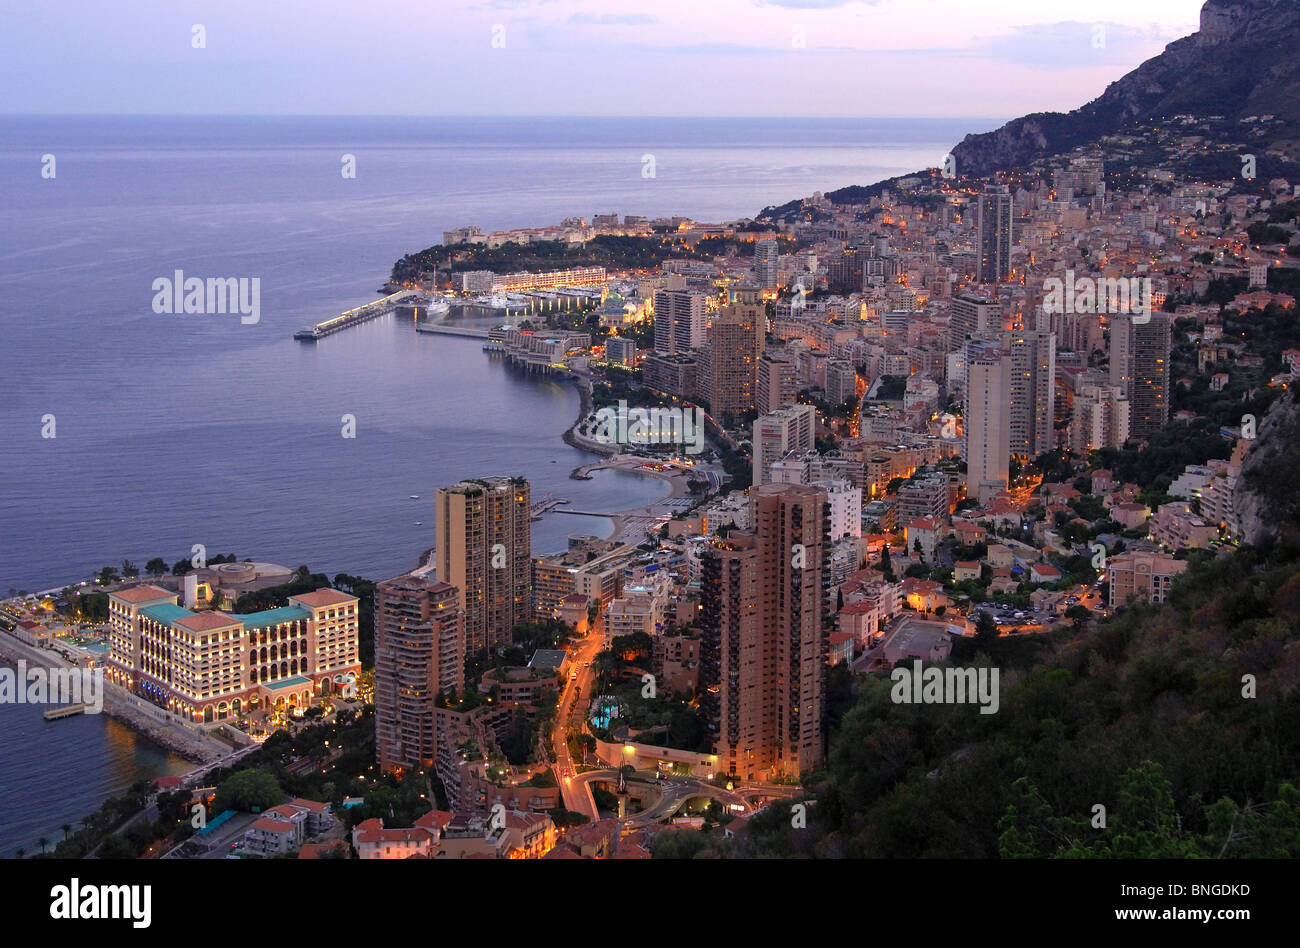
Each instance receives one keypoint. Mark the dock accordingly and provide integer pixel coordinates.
(65, 712)
(444, 330)
(353, 317)
(542, 506)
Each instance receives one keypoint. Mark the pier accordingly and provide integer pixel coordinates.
(65, 712)
(542, 506)
(445, 330)
(380, 307)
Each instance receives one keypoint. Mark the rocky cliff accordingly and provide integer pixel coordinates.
(1268, 500)
(1240, 62)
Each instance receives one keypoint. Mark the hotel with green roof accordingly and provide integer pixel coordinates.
(209, 666)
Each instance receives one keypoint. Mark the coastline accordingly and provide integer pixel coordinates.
(121, 706)
(629, 523)
(629, 526)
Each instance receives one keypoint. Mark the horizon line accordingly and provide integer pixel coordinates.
(475, 115)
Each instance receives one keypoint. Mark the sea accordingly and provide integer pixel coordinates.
(130, 434)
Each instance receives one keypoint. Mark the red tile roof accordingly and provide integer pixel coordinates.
(206, 621)
(139, 594)
(323, 597)
(316, 850)
(436, 819)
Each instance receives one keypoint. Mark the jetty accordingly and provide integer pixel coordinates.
(372, 310)
(445, 330)
(67, 711)
(542, 506)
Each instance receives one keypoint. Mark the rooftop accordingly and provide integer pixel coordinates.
(293, 682)
(206, 621)
(166, 613)
(139, 594)
(257, 620)
(548, 658)
(323, 597)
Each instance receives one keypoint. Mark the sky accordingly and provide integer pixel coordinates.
(810, 58)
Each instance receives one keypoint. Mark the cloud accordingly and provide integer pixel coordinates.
(1068, 44)
(815, 4)
(612, 19)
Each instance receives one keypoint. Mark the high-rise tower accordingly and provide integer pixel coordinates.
(995, 238)
(764, 619)
(419, 653)
(483, 548)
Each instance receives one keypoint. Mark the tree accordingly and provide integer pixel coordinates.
(248, 790)
(986, 630)
(680, 844)
(129, 570)
(156, 566)
(115, 847)
(886, 566)
(606, 666)
(92, 607)
(564, 819)
(106, 575)
(1080, 615)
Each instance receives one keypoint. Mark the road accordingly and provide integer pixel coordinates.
(575, 788)
(194, 777)
(573, 703)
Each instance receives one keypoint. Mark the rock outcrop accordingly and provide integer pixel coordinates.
(1240, 63)
(1268, 497)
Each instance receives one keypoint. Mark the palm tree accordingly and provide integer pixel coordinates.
(22, 853)
(44, 842)
(606, 665)
(67, 828)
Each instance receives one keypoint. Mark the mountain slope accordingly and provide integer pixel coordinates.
(1240, 63)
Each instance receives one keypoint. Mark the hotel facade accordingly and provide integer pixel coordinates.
(209, 666)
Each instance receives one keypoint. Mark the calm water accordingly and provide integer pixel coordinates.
(176, 430)
(56, 772)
